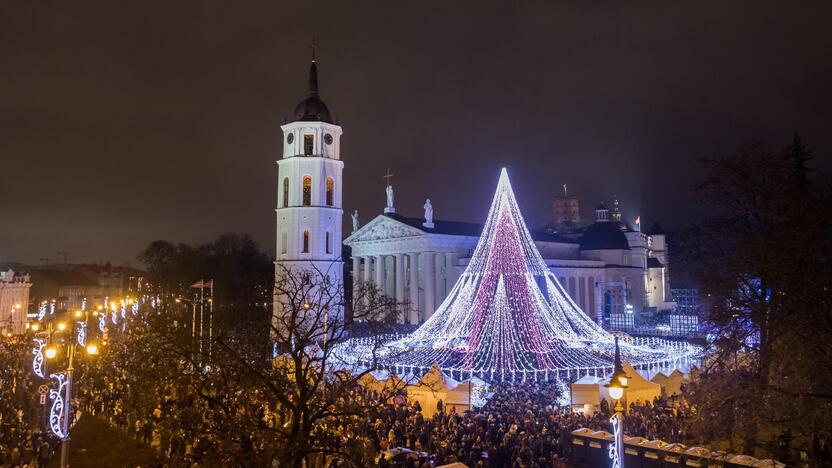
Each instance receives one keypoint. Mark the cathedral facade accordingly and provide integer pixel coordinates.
(608, 268)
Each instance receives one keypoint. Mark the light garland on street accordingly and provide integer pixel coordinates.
(615, 448)
(82, 334)
(37, 362)
(58, 410)
(508, 318)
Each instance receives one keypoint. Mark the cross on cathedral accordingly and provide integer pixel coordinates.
(387, 176)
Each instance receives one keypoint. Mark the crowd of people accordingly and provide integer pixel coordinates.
(22, 443)
(520, 426)
(166, 405)
(160, 405)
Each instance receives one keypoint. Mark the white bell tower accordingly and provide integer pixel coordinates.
(309, 179)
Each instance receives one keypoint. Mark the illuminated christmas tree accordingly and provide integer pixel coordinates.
(507, 317)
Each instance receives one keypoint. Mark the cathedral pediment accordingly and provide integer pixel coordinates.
(383, 228)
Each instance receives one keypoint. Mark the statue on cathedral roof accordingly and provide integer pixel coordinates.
(389, 208)
(428, 214)
(354, 221)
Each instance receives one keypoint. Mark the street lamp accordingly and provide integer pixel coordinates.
(62, 405)
(616, 387)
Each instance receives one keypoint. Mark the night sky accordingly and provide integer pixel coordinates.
(126, 122)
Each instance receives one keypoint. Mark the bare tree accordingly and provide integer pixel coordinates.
(316, 394)
(761, 259)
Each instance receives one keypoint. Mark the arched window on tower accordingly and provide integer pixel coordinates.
(307, 191)
(330, 191)
(308, 144)
(328, 242)
(285, 192)
(306, 241)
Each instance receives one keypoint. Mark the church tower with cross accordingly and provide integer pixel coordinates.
(309, 208)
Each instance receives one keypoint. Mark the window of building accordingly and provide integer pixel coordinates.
(284, 243)
(285, 192)
(328, 242)
(308, 144)
(306, 241)
(330, 189)
(307, 191)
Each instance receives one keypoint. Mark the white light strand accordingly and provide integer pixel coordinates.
(58, 410)
(37, 362)
(615, 446)
(82, 334)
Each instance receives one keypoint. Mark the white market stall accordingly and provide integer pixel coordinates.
(588, 391)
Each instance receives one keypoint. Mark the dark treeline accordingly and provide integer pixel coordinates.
(243, 275)
(762, 262)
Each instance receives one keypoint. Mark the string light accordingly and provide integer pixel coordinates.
(37, 362)
(57, 411)
(508, 317)
(82, 334)
(615, 447)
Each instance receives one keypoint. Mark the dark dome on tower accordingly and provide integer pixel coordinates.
(604, 236)
(313, 109)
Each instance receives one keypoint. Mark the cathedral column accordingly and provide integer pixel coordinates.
(367, 268)
(450, 271)
(413, 313)
(440, 278)
(380, 276)
(598, 313)
(430, 284)
(398, 273)
(356, 278)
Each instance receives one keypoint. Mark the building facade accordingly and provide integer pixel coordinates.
(607, 268)
(69, 286)
(14, 301)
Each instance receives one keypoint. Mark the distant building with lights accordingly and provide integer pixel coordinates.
(69, 285)
(14, 301)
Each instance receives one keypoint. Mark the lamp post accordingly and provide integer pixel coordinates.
(616, 387)
(74, 333)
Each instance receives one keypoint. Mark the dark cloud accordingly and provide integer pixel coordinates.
(124, 122)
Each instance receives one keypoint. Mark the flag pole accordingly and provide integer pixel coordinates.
(211, 321)
(201, 311)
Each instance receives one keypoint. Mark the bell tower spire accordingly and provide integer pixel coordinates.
(309, 207)
(313, 72)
